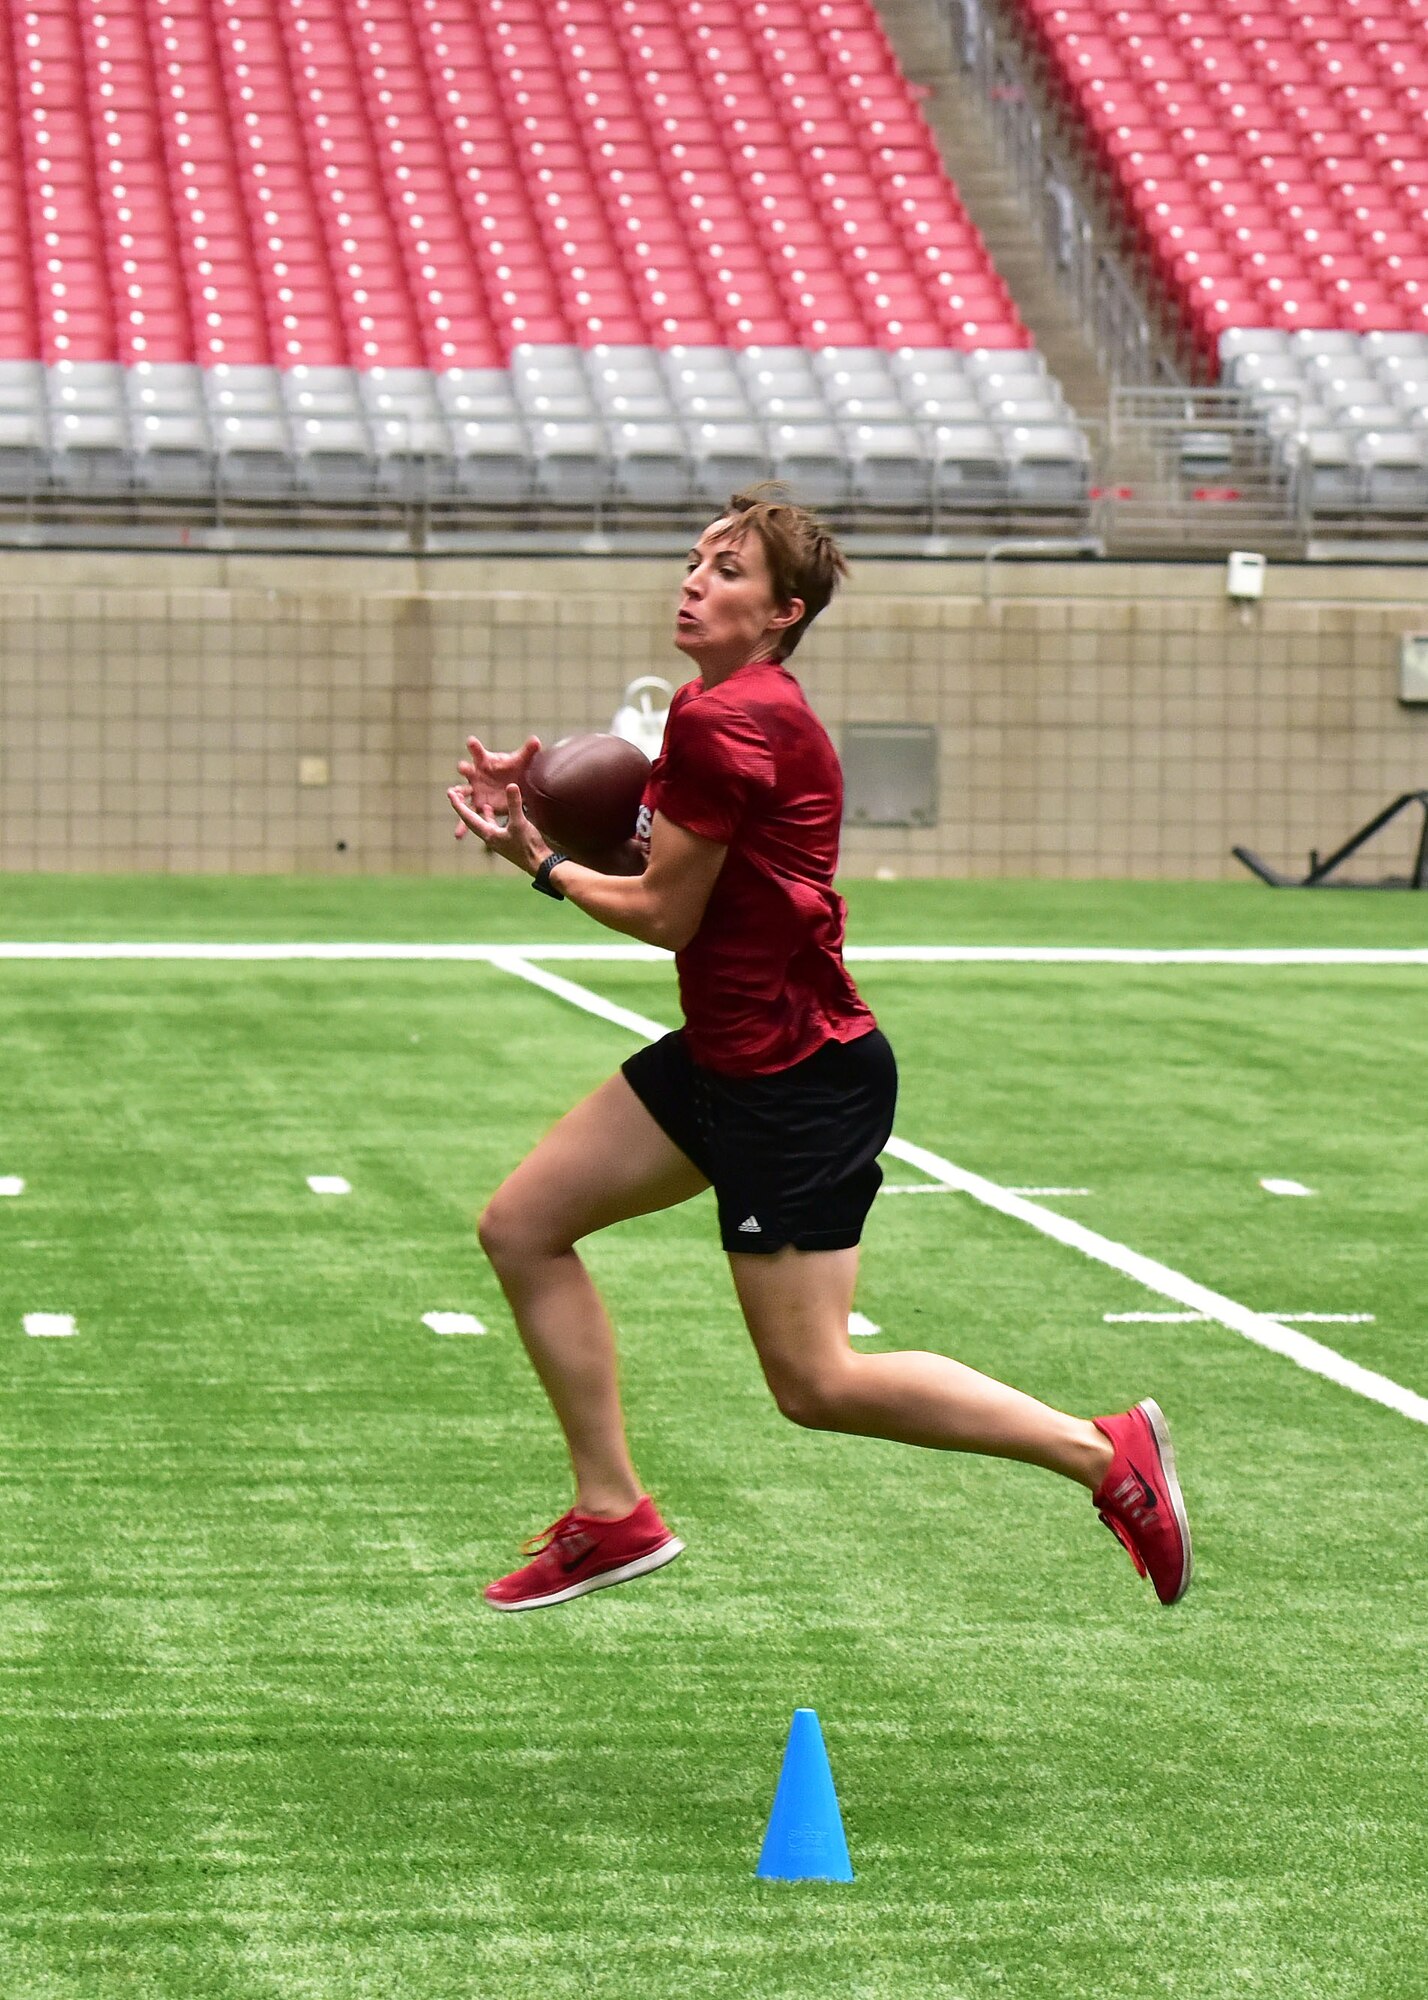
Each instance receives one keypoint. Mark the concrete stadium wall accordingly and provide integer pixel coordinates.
(1094, 719)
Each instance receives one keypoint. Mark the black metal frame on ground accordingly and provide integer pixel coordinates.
(1321, 873)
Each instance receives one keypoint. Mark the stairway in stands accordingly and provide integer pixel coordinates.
(919, 32)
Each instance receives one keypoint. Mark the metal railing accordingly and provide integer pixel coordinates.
(1197, 470)
(1062, 207)
(941, 517)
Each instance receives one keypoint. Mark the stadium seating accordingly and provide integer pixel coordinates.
(513, 250)
(1350, 410)
(1272, 165)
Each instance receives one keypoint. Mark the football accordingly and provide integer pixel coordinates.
(584, 796)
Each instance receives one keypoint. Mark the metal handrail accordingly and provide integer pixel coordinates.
(1056, 545)
(1112, 311)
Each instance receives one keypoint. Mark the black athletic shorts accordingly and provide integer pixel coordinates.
(793, 1157)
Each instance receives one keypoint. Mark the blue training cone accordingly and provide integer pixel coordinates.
(805, 1842)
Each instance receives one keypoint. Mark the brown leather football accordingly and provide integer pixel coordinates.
(584, 795)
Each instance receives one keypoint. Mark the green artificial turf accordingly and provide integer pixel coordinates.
(262, 1742)
(499, 908)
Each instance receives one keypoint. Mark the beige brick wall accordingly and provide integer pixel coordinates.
(1094, 719)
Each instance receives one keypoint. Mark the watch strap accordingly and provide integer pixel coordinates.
(541, 879)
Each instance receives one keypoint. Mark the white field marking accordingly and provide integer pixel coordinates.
(1171, 1284)
(937, 1187)
(1325, 1319)
(1150, 1319)
(1285, 1187)
(1156, 1277)
(443, 1322)
(645, 954)
(1285, 1319)
(329, 1184)
(49, 1326)
(1079, 954)
(861, 1327)
(517, 962)
(11, 1184)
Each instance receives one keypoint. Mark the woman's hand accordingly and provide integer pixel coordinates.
(515, 839)
(489, 772)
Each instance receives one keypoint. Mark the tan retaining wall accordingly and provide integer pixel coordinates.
(1095, 719)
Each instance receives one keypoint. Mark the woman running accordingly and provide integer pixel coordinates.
(778, 1091)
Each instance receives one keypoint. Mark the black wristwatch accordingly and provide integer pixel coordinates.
(541, 879)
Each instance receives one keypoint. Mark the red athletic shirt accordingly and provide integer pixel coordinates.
(748, 763)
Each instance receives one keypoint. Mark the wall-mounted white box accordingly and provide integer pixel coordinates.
(1244, 576)
(1413, 668)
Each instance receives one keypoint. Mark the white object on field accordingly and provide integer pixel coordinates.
(49, 1326)
(329, 1184)
(861, 1327)
(1273, 1186)
(642, 714)
(11, 1184)
(443, 1322)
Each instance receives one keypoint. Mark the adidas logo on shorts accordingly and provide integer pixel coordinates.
(750, 1226)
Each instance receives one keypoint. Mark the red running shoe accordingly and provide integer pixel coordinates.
(578, 1553)
(1140, 1499)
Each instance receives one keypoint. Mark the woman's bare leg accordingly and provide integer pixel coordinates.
(796, 1305)
(605, 1161)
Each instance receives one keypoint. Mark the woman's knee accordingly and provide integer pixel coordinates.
(511, 1232)
(811, 1399)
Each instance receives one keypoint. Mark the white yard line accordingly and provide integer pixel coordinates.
(511, 960)
(467, 954)
(644, 954)
(936, 1187)
(1094, 954)
(1285, 1319)
(1152, 1319)
(1325, 1319)
(1156, 1277)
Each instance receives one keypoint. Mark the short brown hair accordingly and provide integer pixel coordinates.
(803, 558)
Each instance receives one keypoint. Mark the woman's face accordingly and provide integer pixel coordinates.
(728, 614)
